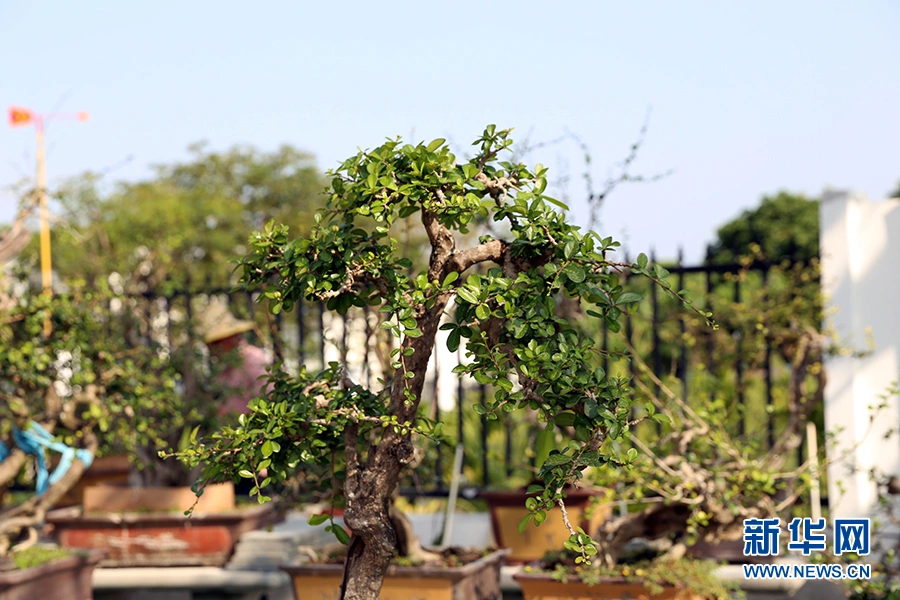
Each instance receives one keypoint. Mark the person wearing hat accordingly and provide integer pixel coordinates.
(245, 365)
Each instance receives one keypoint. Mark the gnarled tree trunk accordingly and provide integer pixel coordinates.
(370, 485)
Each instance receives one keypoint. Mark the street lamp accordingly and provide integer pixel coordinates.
(19, 117)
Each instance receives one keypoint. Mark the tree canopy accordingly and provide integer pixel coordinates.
(187, 221)
(783, 227)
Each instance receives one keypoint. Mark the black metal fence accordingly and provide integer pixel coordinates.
(662, 333)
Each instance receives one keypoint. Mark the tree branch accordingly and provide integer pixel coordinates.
(11, 466)
(492, 250)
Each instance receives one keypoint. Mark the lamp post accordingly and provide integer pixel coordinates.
(22, 116)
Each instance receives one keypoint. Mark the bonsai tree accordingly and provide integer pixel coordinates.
(700, 481)
(500, 297)
(702, 475)
(71, 383)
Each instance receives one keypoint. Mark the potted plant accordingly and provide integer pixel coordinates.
(452, 574)
(559, 577)
(62, 385)
(587, 507)
(156, 518)
(29, 570)
(695, 482)
(691, 485)
(49, 572)
(505, 289)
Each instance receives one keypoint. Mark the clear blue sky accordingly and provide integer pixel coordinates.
(747, 98)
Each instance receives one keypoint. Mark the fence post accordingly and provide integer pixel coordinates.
(654, 352)
(682, 345)
(739, 363)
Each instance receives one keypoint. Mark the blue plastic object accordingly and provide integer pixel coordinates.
(33, 441)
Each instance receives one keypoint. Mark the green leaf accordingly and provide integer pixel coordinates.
(479, 409)
(642, 260)
(543, 445)
(574, 272)
(435, 144)
(267, 448)
(554, 460)
(450, 278)
(467, 295)
(629, 297)
(341, 534)
(582, 433)
(453, 341)
(555, 202)
(317, 519)
(565, 418)
(482, 311)
(524, 523)
(591, 459)
(245, 474)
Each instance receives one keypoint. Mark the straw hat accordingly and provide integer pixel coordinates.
(217, 323)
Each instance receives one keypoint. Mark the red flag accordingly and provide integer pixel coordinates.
(19, 116)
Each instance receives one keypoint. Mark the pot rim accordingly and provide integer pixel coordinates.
(517, 496)
(79, 558)
(571, 578)
(73, 516)
(449, 573)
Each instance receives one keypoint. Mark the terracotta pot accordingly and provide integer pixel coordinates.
(141, 538)
(106, 470)
(479, 580)
(540, 586)
(109, 498)
(65, 579)
(508, 509)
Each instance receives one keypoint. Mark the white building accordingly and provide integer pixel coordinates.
(860, 250)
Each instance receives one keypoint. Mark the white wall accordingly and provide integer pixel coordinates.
(860, 249)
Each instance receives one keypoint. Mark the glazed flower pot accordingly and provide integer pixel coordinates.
(508, 509)
(148, 527)
(65, 579)
(478, 580)
(541, 586)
